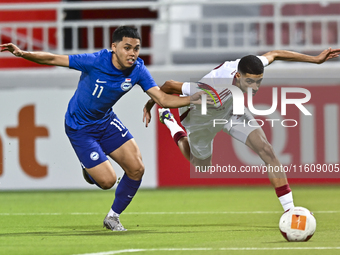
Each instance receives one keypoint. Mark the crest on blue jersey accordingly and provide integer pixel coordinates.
(126, 85)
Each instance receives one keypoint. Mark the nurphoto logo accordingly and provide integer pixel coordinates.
(238, 104)
(238, 101)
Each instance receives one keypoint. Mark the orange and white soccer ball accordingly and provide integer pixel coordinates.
(297, 224)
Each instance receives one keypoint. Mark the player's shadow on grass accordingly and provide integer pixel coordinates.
(78, 233)
(246, 227)
(90, 230)
(283, 241)
(93, 230)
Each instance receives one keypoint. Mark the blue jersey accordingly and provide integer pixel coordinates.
(100, 86)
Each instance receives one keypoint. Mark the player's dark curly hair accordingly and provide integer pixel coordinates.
(250, 64)
(125, 31)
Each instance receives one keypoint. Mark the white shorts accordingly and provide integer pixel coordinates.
(202, 130)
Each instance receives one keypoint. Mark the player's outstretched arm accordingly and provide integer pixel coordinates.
(169, 87)
(43, 58)
(299, 57)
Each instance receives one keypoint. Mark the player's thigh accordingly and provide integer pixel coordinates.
(116, 134)
(128, 156)
(201, 142)
(256, 139)
(258, 142)
(118, 143)
(103, 174)
(91, 155)
(240, 127)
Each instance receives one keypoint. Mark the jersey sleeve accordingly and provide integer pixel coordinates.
(82, 62)
(264, 60)
(145, 79)
(190, 88)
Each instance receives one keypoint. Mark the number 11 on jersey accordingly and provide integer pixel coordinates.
(100, 91)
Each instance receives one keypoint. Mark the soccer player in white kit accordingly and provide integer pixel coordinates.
(247, 72)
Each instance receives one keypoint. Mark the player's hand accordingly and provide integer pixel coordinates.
(147, 112)
(327, 54)
(11, 48)
(197, 98)
(146, 116)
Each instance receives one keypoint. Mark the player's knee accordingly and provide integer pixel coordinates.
(107, 183)
(138, 172)
(267, 149)
(201, 162)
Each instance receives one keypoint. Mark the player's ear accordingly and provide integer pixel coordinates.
(238, 75)
(113, 47)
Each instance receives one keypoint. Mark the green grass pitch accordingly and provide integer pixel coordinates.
(199, 221)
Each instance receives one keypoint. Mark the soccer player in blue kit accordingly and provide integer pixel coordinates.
(93, 128)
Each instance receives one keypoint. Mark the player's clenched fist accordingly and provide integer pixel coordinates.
(11, 48)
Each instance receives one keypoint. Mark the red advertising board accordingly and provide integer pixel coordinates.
(21, 34)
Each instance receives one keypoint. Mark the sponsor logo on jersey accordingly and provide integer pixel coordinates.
(126, 85)
(98, 81)
(94, 156)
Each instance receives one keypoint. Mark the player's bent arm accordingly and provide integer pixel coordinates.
(286, 55)
(165, 100)
(169, 87)
(172, 87)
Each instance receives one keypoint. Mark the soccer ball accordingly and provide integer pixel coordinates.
(297, 224)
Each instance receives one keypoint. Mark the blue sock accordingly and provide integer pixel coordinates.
(125, 191)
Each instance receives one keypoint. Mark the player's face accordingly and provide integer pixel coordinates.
(126, 52)
(252, 81)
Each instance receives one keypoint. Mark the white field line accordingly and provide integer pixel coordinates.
(212, 249)
(153, 213)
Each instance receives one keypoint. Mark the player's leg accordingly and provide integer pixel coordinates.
(258, 142)
(184, 147)
(119, 144)
(200, 140)
(129, 158)
(177, 132)
(95, 165)
(254, 137)
(103, 175)
(201, 162)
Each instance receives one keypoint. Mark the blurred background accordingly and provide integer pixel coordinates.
(181, 40)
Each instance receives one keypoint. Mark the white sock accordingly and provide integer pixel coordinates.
(113, 214)
(173, 126)
(287, 201)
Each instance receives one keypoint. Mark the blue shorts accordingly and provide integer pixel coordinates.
(92, 143)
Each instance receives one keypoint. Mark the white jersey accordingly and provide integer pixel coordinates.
(200, 128)
(216, 81)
